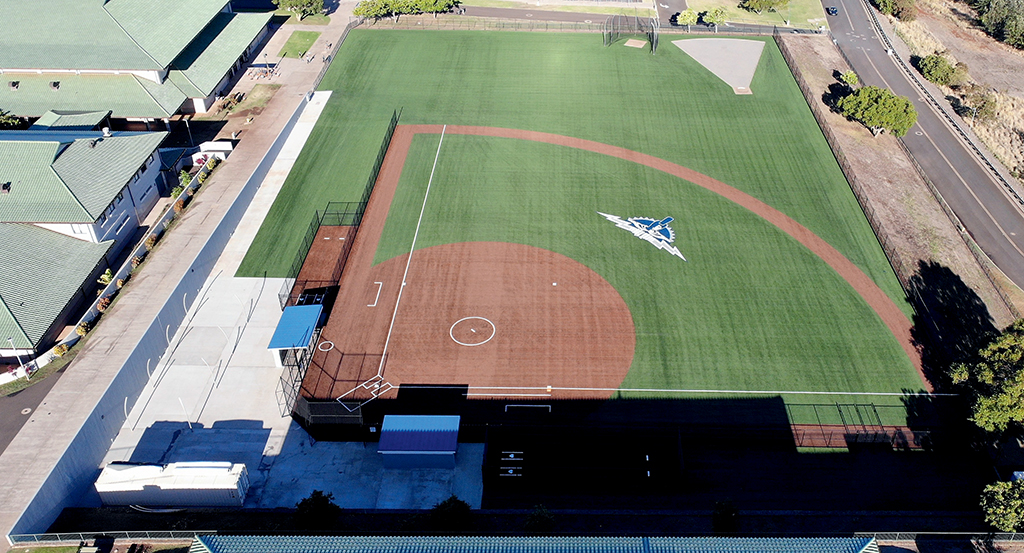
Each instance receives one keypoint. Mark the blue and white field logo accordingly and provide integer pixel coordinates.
(655, 231)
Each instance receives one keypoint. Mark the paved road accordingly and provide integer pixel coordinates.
(974, 195)
(13, 408)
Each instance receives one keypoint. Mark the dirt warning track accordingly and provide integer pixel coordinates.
(540, 334)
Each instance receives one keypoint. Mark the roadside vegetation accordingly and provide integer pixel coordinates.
(804, 14)
(995, 117)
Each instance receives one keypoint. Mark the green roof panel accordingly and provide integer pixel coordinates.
(43, 271)
(123, 95)
(163, 29)
(67, 176)
(71, 120)
(199, 68)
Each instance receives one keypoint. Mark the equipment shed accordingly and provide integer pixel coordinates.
(419, 441)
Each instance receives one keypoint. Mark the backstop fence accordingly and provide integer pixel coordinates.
(618, 25)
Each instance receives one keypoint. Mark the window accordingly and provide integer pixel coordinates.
(120, 196)
(102, 220)
(120, 228)
(146, 193)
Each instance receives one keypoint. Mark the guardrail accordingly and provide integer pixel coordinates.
(927, 95)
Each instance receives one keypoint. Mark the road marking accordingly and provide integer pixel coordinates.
(379, 286)
(959, 177)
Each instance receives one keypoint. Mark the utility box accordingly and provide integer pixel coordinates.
(191, 484)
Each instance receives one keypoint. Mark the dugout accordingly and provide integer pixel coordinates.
(295, 332)
(419, 441)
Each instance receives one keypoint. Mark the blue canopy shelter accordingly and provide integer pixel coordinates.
(295, 330)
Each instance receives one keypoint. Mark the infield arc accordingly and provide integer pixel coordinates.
(577, 334)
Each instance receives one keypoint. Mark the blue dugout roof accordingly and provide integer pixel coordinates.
(295, 329)
(484, 544)
(419, 433)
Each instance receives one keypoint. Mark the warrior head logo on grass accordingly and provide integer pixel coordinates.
(655, 231)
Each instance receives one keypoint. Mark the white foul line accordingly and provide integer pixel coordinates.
(387, 341)
(379, 286)
(668, 390)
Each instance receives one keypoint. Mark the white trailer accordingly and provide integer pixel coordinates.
(193, 484)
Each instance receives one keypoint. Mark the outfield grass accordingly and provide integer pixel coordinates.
(808, 14)
(752, 309)
(298, 44)
(766, 144)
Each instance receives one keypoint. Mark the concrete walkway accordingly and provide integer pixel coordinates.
(33, 454)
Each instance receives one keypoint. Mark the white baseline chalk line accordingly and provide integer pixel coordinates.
(423, 208)
(698, 391)
(379, 286)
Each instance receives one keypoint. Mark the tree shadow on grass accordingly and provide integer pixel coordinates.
(951, 321)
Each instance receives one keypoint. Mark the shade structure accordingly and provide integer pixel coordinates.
(295, 329)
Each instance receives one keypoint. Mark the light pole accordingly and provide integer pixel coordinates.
(11, 342)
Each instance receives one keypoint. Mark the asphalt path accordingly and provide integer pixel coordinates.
(16, 409)
(980, 202)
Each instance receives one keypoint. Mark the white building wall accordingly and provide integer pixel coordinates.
(81, 231)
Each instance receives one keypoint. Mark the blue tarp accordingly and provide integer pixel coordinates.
(295, 329)
(419, 433)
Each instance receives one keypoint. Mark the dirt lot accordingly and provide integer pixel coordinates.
(913, 221)
(988, 60)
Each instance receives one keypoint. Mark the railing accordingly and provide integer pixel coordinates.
(914, 536)
(939, 106)
(79, 537)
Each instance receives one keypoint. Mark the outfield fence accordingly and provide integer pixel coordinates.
(352, 24)
(470, 23)
(904, 270)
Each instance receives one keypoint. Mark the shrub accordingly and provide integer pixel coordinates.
(937, 69)
(176, 191)
(60, 349)
(103, 304)
(317, 510)
(179, 206)
(137, 260)
(202, 177)
(184, 178)
(849, 78)
(106, 277)
(121, 281)
(904, 10)
(83, 328)
(151, 241)
(212, 163)
(450, 514)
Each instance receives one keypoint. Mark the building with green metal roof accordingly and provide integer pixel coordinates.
(71, 120)
(139, 59)
(69, 199)
(486, 544)
(45, 279)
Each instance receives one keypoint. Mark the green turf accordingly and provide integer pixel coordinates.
(298, 44)
(752, 309)
(667, 105)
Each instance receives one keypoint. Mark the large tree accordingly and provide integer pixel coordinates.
(714, 17)
(1003, 503)
(375, 9)
(996, 380)
(301, 7)
(687, 17)
(879, 110)
(759, 6)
